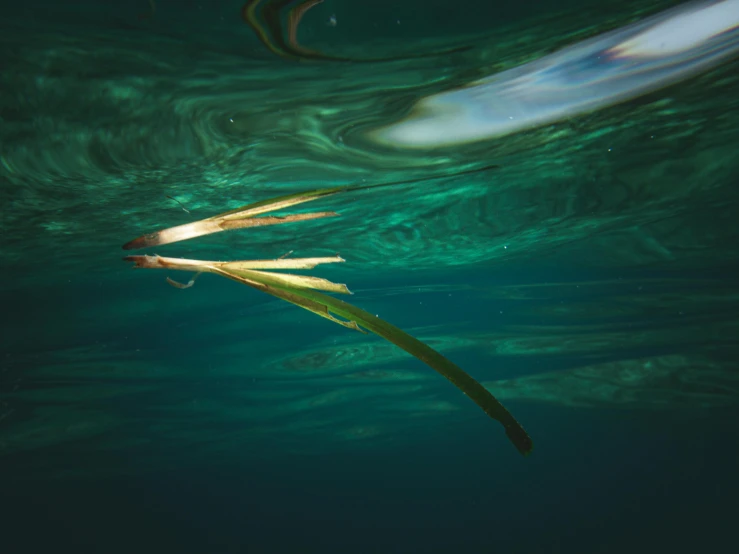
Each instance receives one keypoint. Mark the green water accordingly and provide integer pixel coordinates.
(589, 281)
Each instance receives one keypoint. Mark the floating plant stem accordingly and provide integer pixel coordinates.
(302, 290)
(240, 218)
(246, 216)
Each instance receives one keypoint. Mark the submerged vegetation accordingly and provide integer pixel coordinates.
(302, 290)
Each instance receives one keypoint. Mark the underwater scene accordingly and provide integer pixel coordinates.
(341, 276)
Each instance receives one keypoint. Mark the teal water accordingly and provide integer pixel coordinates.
(588, 280)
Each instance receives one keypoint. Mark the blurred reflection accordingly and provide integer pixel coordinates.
(599, 72)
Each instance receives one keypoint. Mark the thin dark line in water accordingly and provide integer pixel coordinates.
(422, 179)
(180, 203)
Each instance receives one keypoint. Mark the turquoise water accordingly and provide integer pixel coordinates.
(585, 272)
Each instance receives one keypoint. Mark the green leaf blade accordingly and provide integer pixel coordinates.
(357, 318)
